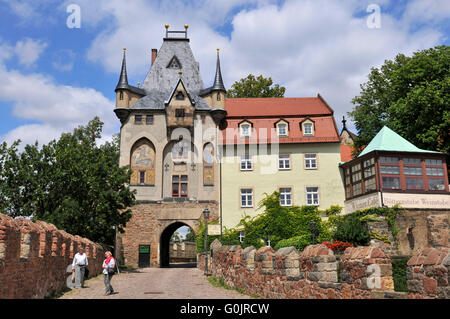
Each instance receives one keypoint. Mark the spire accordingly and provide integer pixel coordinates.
(123, 80)
(343, 123)
(218, 82)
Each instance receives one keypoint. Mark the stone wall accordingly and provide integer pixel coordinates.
(316, 273)
(183, 252)
(428, 273)
(421, 229)
(418, 229)
(34, 257)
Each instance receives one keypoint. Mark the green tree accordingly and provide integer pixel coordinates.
(252, 86)
(190, 235)
(176, 238)
(410, 95)
(71, 182)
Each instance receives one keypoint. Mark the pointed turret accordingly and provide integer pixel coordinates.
(123, 80)
(218, 82)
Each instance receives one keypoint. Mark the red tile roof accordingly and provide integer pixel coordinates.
(263, 113)
(346, 153)
(288, 106)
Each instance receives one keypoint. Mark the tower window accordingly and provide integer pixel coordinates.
(142, 177)
(179, 113)
(218, 96)
(121, 95)
(179, 185)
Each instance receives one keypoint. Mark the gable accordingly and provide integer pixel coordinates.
(174, 63)
(180, 108)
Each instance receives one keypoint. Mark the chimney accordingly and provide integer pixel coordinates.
(154, 53)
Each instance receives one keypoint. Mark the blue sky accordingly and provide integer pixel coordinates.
(55, 78)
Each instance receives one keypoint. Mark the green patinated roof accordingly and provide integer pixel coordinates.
(388, 140)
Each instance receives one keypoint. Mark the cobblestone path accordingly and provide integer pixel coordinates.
(155, 283)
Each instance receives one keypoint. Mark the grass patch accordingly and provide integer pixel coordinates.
(221, 284)
(399, 266)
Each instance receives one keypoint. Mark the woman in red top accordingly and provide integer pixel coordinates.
(108, 270)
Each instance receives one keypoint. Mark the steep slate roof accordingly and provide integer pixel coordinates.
(161, 80)
(388, 140)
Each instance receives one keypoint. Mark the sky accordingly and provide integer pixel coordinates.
(59, 67)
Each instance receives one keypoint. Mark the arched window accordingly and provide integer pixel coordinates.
(143, 163)
(208, 168)
(180, 150)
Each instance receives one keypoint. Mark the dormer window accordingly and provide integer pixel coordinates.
(307, 127)
(282, 128)
(180, 96)
(245, 130)
(174, 63)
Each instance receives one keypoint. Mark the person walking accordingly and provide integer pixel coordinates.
(80, 262)
(108, 270)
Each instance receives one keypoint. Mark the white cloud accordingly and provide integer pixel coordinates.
(55, 108)
(29, 50)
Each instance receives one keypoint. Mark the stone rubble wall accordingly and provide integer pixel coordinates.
(316, 273)
(34, 258)
(429, 274)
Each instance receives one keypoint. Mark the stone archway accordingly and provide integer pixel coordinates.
(164, 242)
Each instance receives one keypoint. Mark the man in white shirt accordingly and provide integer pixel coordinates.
(80, 262)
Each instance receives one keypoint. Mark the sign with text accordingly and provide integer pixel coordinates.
(213, 230)
(405, 200)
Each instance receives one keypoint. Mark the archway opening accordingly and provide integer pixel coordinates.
(177, 246)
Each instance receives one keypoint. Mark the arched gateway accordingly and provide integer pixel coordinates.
(163, 139)
(165, 244)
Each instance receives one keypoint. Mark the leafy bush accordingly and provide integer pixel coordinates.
(352, 230)
(282, 223)
(299, 242)
(200, 237)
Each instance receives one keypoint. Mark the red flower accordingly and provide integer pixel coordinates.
(337, 245)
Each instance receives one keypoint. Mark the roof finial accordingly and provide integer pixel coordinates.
(180, 73)
(343, 122)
